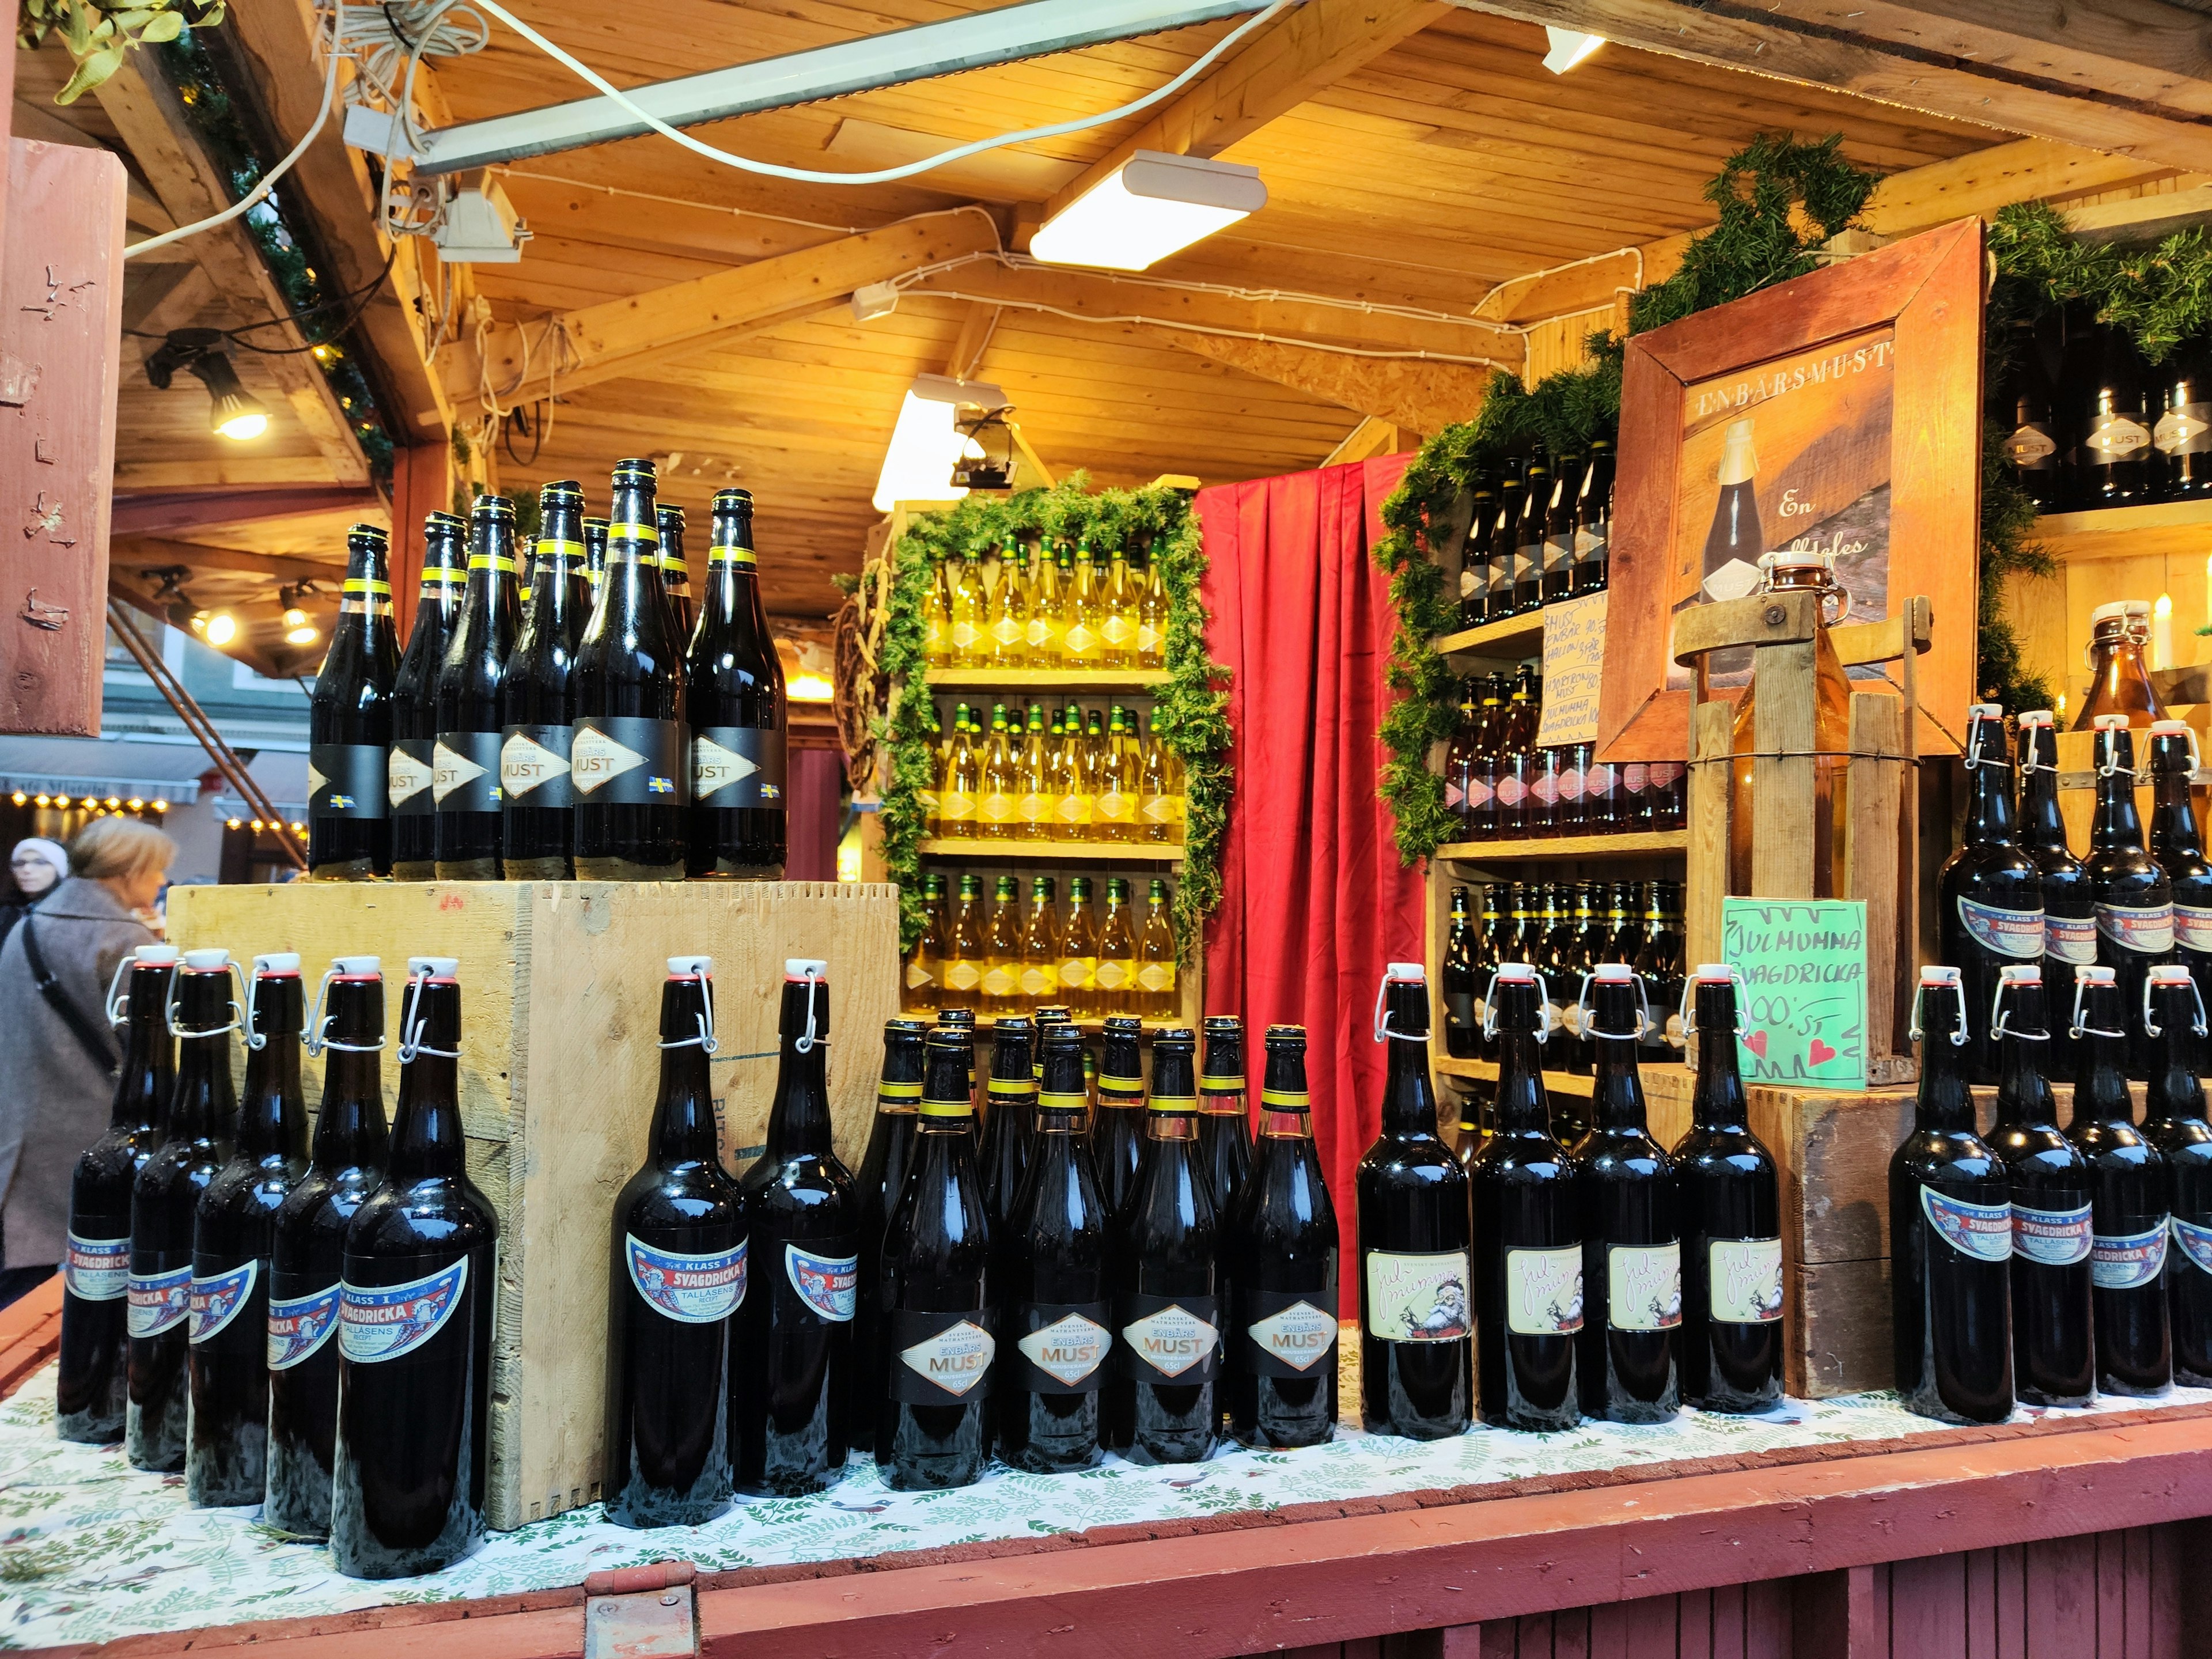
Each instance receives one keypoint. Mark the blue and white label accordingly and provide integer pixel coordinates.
(298, 1326)
(2127, 1261)
(159, 1302)
(828, 1283)
(694, 1289)
(2147, 931)
(2195, 1243)
(2055, 1238)
(98, 1269)
(2017, 935)
(2070, 940)
(2192, 928)
(380, 1322)
(1983, 1231)
(215, 1300)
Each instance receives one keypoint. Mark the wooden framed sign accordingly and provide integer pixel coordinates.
(1841, 413)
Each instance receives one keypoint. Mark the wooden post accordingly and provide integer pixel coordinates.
(1706, 880)
(1785, 772)
(1871, 863)
(421, 483)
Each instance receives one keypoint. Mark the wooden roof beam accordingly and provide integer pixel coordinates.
(1420, 393)
(157, 552)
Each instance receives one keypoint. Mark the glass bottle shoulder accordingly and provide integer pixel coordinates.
(1620, 1155)
(1955, 1161)
(1409, 1160)
(1525, 1158)
(805, 1184)
(439, 1214)
(1722, 1151)
(692, 1193)
(2112, 1144)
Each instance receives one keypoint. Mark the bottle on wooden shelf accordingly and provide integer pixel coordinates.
(2178, 847)
(2069, 922)
(2175, 1122)
(960, 787)
(2182, 433)
(1041, 946)
(1154, 611)
(415, 699)
(1503, 532)
(349, 723)
(1461, 993)
(1989, 897)
(881, 1177)
(1079, 953)
(1594, 521)
(1006, 640)
(924, 970)
(465, 764)
(2112, 458)
(1118, 1136)
(1010, 1123)
(1155, 993)
(1161, 809)
(1002, 949)
(2119, 680)
(1115, 980)
(738, 819)
(538, 704)
(2132, 895)
(675, 571)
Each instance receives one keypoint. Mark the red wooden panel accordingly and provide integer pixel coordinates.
(1766, 1633)
(1928, 1607)
(2060, 1578)
(1693, 1630)
(1728, 1622)
(1981, 1566)
(2112, 1595)
(1366, 1647)
(2011, 1596)
(1871, 1614)
(1501, 1640)
(2168, 1562)
(2134, 1544)
(1535, 1637)
(1609, 1627)
(1571, 1634)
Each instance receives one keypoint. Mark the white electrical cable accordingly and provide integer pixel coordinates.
(389, 41)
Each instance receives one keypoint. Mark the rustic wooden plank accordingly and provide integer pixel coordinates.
(1727, 1638)
(2170, 1562)
(1835, 1615)
(2135, 1546)
(1859, 643)
(1767, 1620)
(2061, 1584)
(2008, 1602)
(1707, 877)
(1424, 394)
(1693, 1625)
(1927, 1607)
(1871, 871)
(1839, 1313)
(1533, 1636)
(1761, 619)
(1981, 1623)
(1784, 774)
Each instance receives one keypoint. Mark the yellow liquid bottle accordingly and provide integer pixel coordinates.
(937, 619)
(1008, 646)
(1156, 957)
(997, 807)
(925, 964)
(1033, 806)
(963, 782)
(1120, 785)
(1152, 617)
(1040, 946)
(1048, 612)
(1116, 979)
(1117, 616)
(1159, 794)
(1072, 804)
(926, 796)
(1084, 645)
(963, 977)
(971, 615)
(1079, 953)
(1002, 949)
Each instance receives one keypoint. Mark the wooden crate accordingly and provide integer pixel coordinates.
(559, 1023)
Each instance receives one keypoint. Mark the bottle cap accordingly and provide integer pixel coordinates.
(1934, 974)
(690, 967)
(357, 967)
(434, 966)
(2036, 717)
(277, 964)
(1515, 973)
(1406, 973)
(805, 968)
(2119, 608)
(2169, 973)
(1286, 1033)
(157, 955)
(1713, 972)
(2023, 973)
(1612, 973)
(2089, 974)
(2111, 723)
(1986, 711)
(209, 961)
(2167, 728)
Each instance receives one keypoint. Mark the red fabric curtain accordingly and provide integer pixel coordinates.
(1314, 899)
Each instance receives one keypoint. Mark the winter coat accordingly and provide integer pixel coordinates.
(57, 1100)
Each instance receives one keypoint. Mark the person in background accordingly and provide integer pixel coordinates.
(39, 866)
(57, 1051)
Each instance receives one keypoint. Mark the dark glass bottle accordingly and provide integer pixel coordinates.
(413, 767)
(1516, 758)
(349, 723)
(675, 569)
(1050, 1277)
(1225, 1125)
(2175, 1122)
(307, 1253)
(1730, 1195)
(226, 1456)
(2054, 1361)
(538, 706)
(1281, 1360)
(2133, 897)
(1528, 537)
(1988, 899)
(1950, 1230)
(792, 1380)
(1559, 528)
(1415, 1322)
(739, 805)
(2027, 412)
(883, 1173)
(91, 1391)
(1009, 1129)
(2183, 432)
(627, 759)
(1160, 1404)
(416, 1293)
(465, 766)
(1118, 1137)
(680, 1261)
(2178, 847)
(1478, 782)
(1480, 507)
(2069, 921)
(2127, 1196)
(1504, 541)
(932, 1419)
(165, 1202)
(595, 554)
(1594, 520)
(1462, 1030)
(1461, 755)
(2112, 461)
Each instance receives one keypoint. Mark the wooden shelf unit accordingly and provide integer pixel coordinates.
(1509, 638)
(1559, 1083)
(1636, 844)
(1079, 681)
(1054, 852)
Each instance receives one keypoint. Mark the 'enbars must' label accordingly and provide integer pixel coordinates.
(380, 1322)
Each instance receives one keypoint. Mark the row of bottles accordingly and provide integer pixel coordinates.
(1023, 605)
(1541, 531)
(1061, 776)
(546, 720)
(1017, 954)
(1500, 785)
(2090, 423)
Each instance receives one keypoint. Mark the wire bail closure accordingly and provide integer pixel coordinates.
(1584, 1015)
(1914, 1031)
(706, 1040)
(237, 1009)
(255, 1040)
(1490, 1008)
(1999, 1014)
(317, 1039)
(2151, 1028)
(2108, 741)
(2076, 1029)
(1689, 1009)
(412, 1023)
(806, 1040)
(118, 1001)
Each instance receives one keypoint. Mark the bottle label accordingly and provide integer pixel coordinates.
(2149, 930)
(1288, 1333)
(1039, 980)
(1598, 781)
(918, 973)
(2192, 928)
(215, 1300)
(692, 1289)
(827, 1284)
(1635, 776)
(1039, 634)
(2195, 1243)
(408, 777)
(1066, 1345)
(1116, 807)
(1150, 639)
(1983, 1231)
(1545, 787)
(1072, 811)
(348, 781)
(2183, 429)
(1081, 641)
(2054, 1239)
(956, 810)
(1558, 553)
(2117, 438)
(998, 807)
(2127, 1261)
(298, 1326)
(1035, 808)
(1115, 630)
(1479, 793)
(1459, 1011)
(1571, 782)
(2069, 940)
(999, 981)
(533, 765)
(98, 1269)
(964, 634)
(465, 772)
(1418, 1299)
(961, 975)
(2030, 448)
(1076, 973)
(1664, 773)
(1590, 544)
(1009, 632)
(1644, 1287)
(1171, 1338)
(945, 1356)
(1746, 1282)
(1511, 791)
(2017, 935)
(378, 1323)
(1544, 1291)
(1157, 976)
(1159, 809)
(159, 1302)
(1112, 974)
(624, 761)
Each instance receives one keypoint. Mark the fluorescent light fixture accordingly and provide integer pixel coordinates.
(925, 442)
(1152, 205)
(874, 300)
(1569, 47)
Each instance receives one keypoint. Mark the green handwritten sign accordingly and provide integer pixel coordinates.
(1803, 1001)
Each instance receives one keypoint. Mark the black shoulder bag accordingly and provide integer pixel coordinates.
(83, 1030)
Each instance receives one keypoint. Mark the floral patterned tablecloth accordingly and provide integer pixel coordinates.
(91, 1550)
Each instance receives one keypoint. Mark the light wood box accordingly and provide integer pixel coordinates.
(560, 1021)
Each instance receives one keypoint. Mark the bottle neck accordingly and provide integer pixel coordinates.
(684, 1129)
(1617, 1089)
(2117, 825)
(2024, 1099)
(2042, 825)
(798, 1123)
(1989, 801)
(2101, 1067)
(2173, 814)
(1717, 1099)
(427, 1142)
(272, 1118)
(2174, 1092)
(349, 1129)
(1521, 1107)
(201, 1106)
(365, 600)
(1409, 1100)
(148, 1062)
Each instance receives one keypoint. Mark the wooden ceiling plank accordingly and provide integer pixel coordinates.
(1427, 396)
(153, 552)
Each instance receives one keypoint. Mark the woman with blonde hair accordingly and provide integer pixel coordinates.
(57, 1049)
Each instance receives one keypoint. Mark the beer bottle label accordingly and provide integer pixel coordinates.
(1036, 808)
(1159, 809)
(1745, 1283)
(1454, 795)
(2069, 940)
(1039, 635)
(963, 976)
(1287, 1334)
(2183, 429)
(98, 1269)
(963, 634)
(377, 1322)
(999, 981)
(1115, 630)
(2127, 1261)
(2195, 1243)
(1545, 787)
(1076, 973)
(1644, 1287)
(298, 1326)
(348, 781)
(1007, 632)
(408, 774)
(1169, 1339)
(2017, 935)
(2116, 437)
(2192, 928)
(1157, 976)
(1151, 639)
(1664, 773)
(623, 760)
(1040, 979)
(1598, 781)
(827, 1284)
(1511, 790)
(1116, 806)
(692, 1289)
(465, 772)
(2148, 929)
(740, 766)
(1113, 973)
(1544, 1291)
(1072, 811)
(1082, 641)
(2030, 448)
(1418, 1299)
(1066, 1347)
(216, 1299)
(1983, 1231)
(159, 1302)
(2055, 1238)
(1571, 780)
(955, 809)
(943, 1356)
(1635, 776)
(998, 807)
(533, 766)
(1590, 544)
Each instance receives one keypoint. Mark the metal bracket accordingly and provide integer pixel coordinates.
(641, 1612)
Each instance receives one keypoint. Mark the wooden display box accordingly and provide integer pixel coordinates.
(559, 1066)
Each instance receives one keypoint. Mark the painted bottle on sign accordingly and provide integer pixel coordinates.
(2134, 898)
(464, 764)
(1988, 899)
(2178, 845)
(413, 764)
(349, 723)
(739, 800)
(536, 695)
(882, 1174)
(2069, 917)
(2175, 1122)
